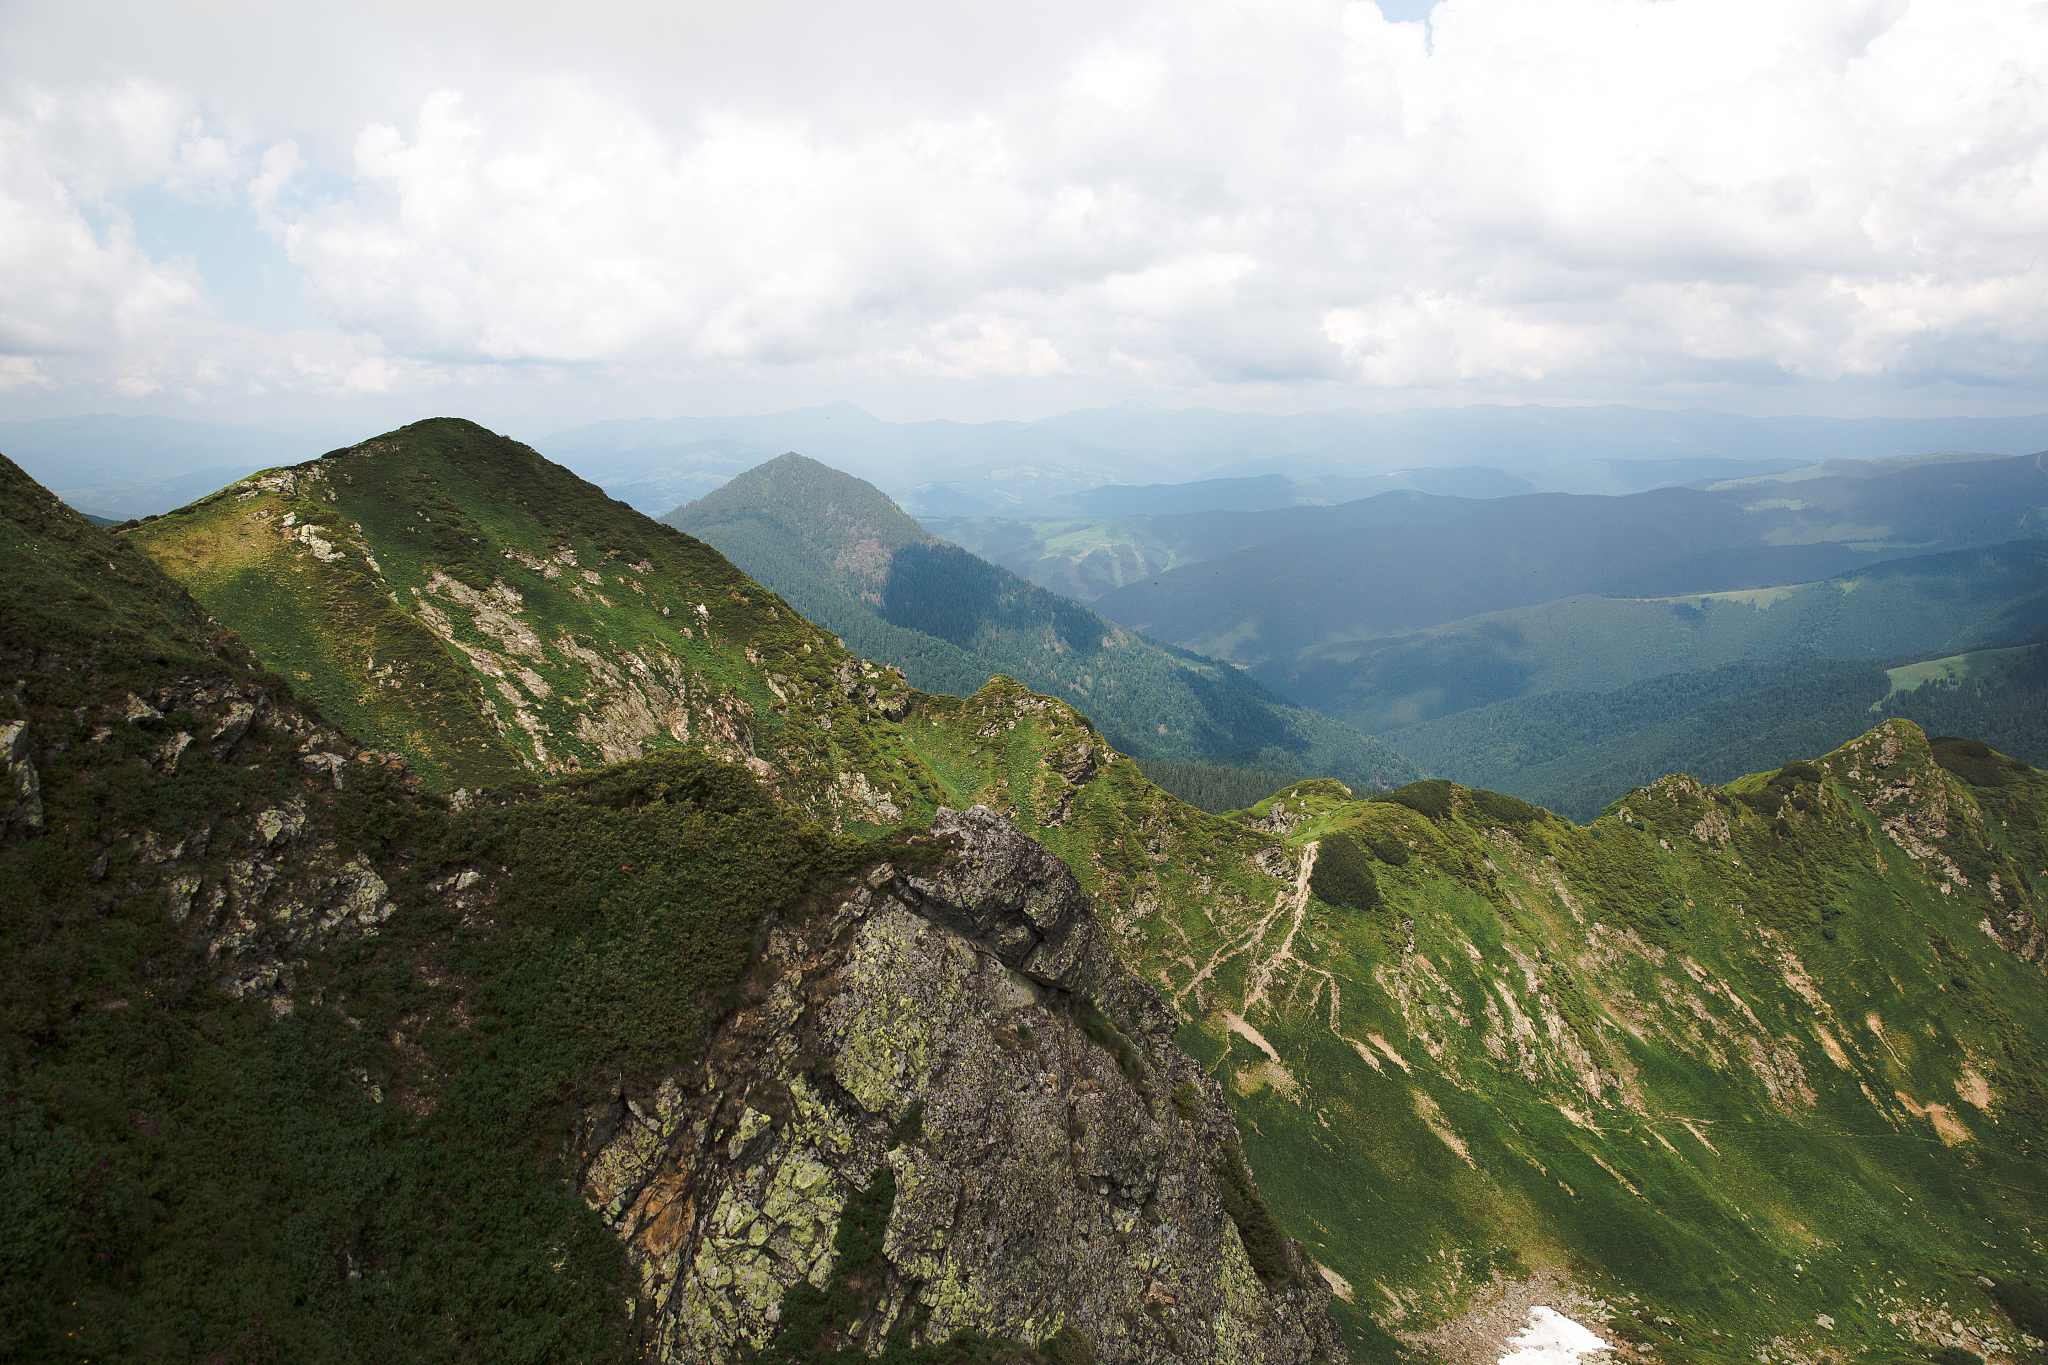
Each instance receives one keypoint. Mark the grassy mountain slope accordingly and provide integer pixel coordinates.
(1731, 1060)
(844, 555)
(1576, 751)
(193, 1172)
(1275, 598)
(1738, 1058)
(289, 1052)
(450, 595)
(1945, 602)
(1760, 1066)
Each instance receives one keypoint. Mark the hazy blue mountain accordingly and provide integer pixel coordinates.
(1532, 437)
(1086, 557)
(967, 466)
(121, 467)
(1334, 584)
(979, 468)
(1944, 603)
(652, 479)
(1268, 492)
(839, 551)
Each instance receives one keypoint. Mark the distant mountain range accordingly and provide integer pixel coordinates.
(838, 550)
(1320, 581)
(118, 467)
(948, 469)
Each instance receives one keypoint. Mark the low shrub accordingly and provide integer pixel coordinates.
(1067, 1347)
(1507, 809)
(1430, 797)
(1976, 762)
(1343, 875)
(1388, 848)
(2025, 1304)
(1264, 1242)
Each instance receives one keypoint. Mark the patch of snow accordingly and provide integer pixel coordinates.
(1551, 1338)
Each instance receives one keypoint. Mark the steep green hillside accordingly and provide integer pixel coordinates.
(839, 551)
(1576, 751)
(196, 1170)
(448, 594)
(1945, 602)
(1761, 1067)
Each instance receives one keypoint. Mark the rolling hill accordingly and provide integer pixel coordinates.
(1944, 603)
(842, 553)
(1575, 752)
(1275, 597)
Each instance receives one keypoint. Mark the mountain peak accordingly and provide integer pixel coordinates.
(802, 497)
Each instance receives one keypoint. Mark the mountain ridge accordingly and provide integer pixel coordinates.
(1738, 1068)
(1254, 603)
(841, 551)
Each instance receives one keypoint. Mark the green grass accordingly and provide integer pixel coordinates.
(1628, 1058)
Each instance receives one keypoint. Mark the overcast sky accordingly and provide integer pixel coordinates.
(545, 214)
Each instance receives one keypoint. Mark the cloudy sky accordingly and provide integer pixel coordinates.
(552, 213)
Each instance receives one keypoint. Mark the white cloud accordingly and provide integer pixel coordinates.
(1583, 195)
(71, 275)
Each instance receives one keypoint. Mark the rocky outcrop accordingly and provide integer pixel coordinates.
(1057, 1163)
(260, 891)
(21, 798)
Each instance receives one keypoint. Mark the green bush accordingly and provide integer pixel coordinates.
(1388, 848)
(1768, 801)
(1067, 1347)
(1096, 1025)
(1343, 875)
(1264, 1242)
(1510, 810)
(1430, 797)
(1976, 762)
(2026, 1305)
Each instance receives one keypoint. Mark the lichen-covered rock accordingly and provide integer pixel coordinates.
(1058, 1163)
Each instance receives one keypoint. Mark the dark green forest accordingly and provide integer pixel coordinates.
(1576, 751)
(1214, 789)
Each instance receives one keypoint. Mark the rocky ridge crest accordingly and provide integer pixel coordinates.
(1058, 1164)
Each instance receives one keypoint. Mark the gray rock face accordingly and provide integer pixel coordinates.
(21, 799)
(261, 903)
(944, 1024)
